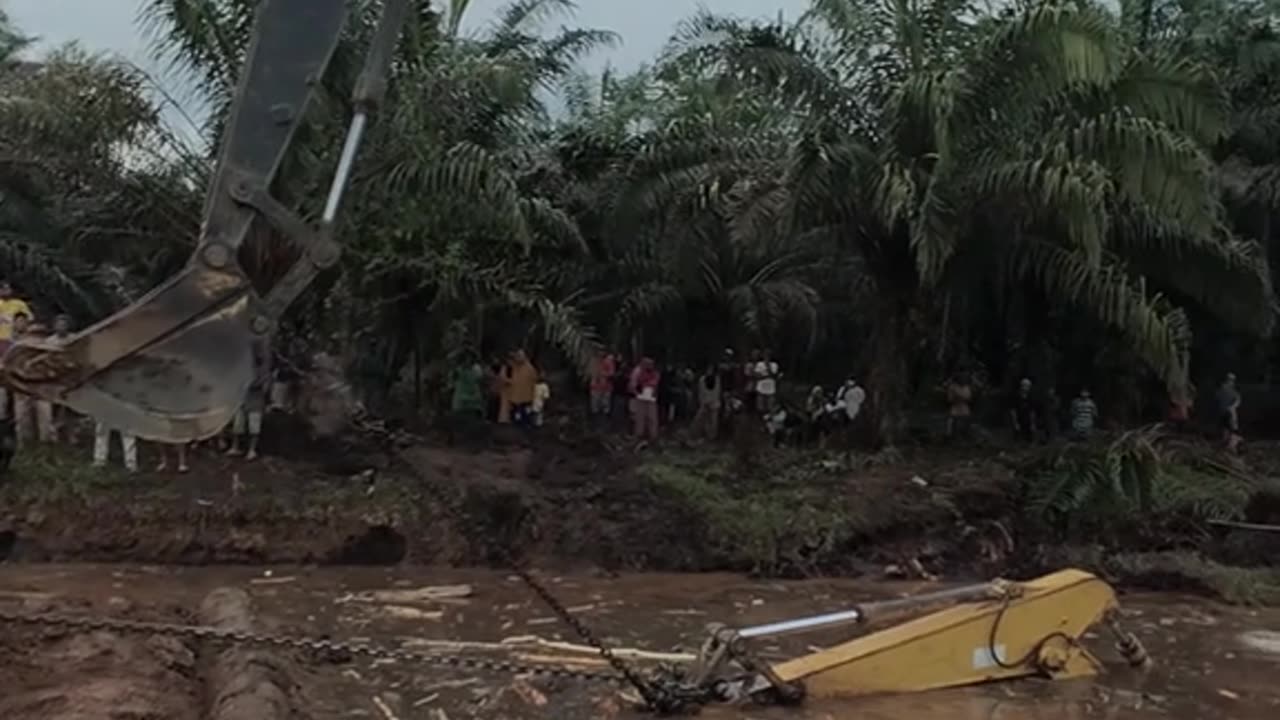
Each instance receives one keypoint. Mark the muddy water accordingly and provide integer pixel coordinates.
(1212, 660)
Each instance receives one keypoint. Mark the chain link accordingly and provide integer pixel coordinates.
(295, 643)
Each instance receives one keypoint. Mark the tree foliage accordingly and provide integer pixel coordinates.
(891, 189)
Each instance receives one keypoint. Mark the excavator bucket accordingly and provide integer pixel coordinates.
(175, 365)
(185, 385)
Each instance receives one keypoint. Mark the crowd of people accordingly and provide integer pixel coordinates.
(646, 398)
(642, 396)
(239, 438)
(35, 420)
(1036, 416)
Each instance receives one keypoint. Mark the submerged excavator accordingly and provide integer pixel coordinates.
(174, 366)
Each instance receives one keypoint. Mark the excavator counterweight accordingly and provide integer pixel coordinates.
(175, 365)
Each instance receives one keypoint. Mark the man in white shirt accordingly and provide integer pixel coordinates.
(766, 377)
(852, 399)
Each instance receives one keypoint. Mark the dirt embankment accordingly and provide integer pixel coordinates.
(578, 503)
(582, 503)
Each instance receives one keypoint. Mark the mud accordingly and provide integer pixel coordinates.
(59, 675)
(1211, 660)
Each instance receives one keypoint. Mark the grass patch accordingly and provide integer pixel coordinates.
(1189, 571)
(792, 514)
(761, 527)
(57, 475)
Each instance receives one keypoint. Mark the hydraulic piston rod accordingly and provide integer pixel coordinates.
(790, 627)
(861, 613)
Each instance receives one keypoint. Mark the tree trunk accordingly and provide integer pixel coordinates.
(887, 380)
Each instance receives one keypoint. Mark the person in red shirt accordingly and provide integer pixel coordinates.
(601, 383)
(644, 388)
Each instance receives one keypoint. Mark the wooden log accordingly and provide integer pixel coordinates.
(243, 683)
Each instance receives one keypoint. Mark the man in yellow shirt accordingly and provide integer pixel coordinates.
(10, 307)
(520, 388)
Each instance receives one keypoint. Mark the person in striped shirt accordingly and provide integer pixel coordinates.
(1084, 414)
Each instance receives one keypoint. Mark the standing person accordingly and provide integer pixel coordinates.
(499, 410)
(180, 452)
(621, 391)
(102, 447)
(815, 407)
(1228, 398)
(32, 417)
(1182, 401)
(666, 394)
(710, 397)
(467, 397)
(10, 307)
(645, 380)
(749, 381)
(1051, 413)
(959, 406)
(541, 394)
(248, 421)
(1022, 412)
(522, 378)
(285, 376)
(766, 374)
(852, 400)
(601, 384)
(1084, 414)
(686, 393)
(60, 414)
(730, 375)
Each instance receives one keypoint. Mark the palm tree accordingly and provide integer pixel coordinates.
(958, 155)
(87, 183)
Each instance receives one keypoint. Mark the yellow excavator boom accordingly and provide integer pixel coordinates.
(995, 631)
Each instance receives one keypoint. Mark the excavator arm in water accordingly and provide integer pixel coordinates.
(175, 365)
(995, 631)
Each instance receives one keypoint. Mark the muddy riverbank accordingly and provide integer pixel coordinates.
(589, 506)
(1211, 660)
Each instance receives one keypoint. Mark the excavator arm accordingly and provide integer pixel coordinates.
(175, 365)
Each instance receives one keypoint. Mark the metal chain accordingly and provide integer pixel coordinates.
(660, 697)
(286, 642)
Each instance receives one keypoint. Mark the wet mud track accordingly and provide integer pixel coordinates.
(1212, 661)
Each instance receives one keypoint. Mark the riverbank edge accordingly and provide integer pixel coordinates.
(676, 512)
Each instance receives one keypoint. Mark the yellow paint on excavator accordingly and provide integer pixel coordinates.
(1037, 630)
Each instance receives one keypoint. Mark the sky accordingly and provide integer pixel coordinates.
(644, 25)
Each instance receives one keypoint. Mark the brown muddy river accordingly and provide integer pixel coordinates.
(1211, 660)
